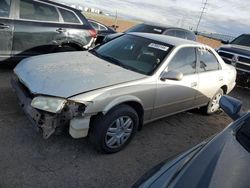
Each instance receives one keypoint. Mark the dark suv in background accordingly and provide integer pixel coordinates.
(156, 29)
(30, 28)
(237, 53)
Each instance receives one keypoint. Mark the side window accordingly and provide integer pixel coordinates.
(33, 10)
(102, 28)
(94, 25)
(180, 34)
(170, 33)
(68, 16)
(190, 36)
(4, 8)
(184, 61)
(208, 62)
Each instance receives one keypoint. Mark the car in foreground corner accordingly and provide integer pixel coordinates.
(29, 28)
(219, 162)
(109, 92)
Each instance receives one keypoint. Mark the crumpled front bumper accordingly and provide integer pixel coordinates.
(47, 122)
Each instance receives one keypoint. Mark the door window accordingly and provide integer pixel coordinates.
(180, 34)
(33, 10)
(68, 16)
(184, 61)
(102, 28)
(4, 8)
(170, 33)
(208, 62)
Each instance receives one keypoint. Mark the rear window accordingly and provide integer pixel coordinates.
(243, 40)
(68, 16)
(146, 29)
(33, 10)
(4, 8)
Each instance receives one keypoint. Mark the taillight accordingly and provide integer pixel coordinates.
(93, 33)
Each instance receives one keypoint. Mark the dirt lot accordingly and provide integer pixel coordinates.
(26, 160)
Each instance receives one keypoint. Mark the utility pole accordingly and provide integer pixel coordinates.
(202, 12)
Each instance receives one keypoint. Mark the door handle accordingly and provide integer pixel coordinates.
(3, 26)
(194, 84)
(60, 30)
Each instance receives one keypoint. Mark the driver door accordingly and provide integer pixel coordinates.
(175, 96)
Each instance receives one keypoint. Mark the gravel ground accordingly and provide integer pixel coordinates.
(26, 160)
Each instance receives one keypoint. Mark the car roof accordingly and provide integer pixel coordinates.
(165, 27)
(174, 41)
(59, 4)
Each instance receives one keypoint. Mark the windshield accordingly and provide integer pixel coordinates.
(243, 40)
(134, 53)
(146, 29)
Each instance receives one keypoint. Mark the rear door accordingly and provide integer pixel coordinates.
(37, 28)
(174, 96)
(6, 29)
(210, 76)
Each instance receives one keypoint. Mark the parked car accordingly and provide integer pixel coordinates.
(30, 28)
(109, 92)
(237, 53)
(219, 162)
(156, 29)
(102, 30)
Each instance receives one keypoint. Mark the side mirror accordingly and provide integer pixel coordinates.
(172, 75)
(231, 106)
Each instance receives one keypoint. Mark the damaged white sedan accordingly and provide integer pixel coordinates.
(109, 92)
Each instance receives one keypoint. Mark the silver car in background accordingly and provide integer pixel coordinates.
(109, 92)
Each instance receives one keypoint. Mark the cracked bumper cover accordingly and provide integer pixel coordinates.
(49, 122)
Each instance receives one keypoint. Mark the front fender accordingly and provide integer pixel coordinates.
(120, 100)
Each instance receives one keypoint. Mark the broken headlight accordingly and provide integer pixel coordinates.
(49, 104)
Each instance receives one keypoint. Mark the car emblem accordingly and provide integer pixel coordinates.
(235, 59)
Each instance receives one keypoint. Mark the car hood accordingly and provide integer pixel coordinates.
(242, 50)
(71, 73)
(217, 163)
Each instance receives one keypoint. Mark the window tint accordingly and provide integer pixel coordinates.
(33, 10)
(184, 61)
(136, 53)
(146, 29)
(170, 33)
(208, 61)
(102, 28)
(243, 40)
(180, 34)
(4, 8)
(69, 16)
(94, 25)
(190, 36)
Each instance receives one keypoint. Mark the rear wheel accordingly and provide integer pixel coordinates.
(112, 132)
(213, 104)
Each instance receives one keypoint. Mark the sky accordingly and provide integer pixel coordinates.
(229, 17)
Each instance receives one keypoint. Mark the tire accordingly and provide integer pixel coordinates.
(213, 104)
(65, 48)
(108, 134)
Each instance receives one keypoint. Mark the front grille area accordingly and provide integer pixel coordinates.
(243, 62)
(227, 57)
(243, 67)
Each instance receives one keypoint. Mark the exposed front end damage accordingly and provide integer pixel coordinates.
(72, 114)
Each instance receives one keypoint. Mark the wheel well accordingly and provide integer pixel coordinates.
(139, 109)
(224, 88)
(135, 105)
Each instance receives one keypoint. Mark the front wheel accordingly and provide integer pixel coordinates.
(112, 132)
(213, 104)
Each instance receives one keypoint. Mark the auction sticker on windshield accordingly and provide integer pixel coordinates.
(158, 46)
